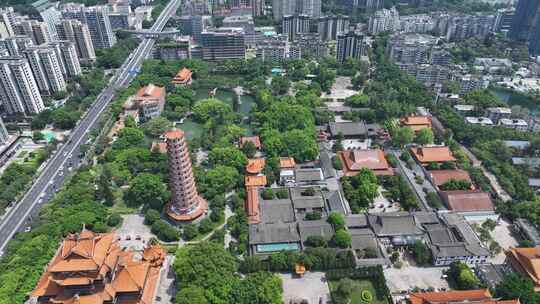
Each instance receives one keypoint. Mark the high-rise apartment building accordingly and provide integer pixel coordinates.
(329, 27)
(38, 31)
(504, 19)
(385, 20)
(15, 45)
(186, 204)
(308, 45)
(293, 25)
(97, 20)
(46, 69)
(48, 14)
(4, 136)
(7, 16)
(352, 44)
(67, 58)
(78, 33)
(18, 88)
(281, 8)
(223, 44)
(526, 25)
(192, 26)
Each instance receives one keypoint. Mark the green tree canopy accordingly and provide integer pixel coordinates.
(148, 189)
(424, 136)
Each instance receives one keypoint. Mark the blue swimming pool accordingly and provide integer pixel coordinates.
(278, 247)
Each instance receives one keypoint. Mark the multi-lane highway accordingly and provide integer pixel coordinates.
(67, 156)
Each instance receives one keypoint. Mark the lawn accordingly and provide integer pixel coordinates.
(359, 286)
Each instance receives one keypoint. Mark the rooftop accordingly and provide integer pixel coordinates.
(276, 210)
(373, 159)
(286, 162)
(255, 165)
(151, 91)
(432, 154)
(394, 224)
(265, 233)
(306, 175)
(183, 76)
(174, 134)
(501, 110)
(348, 128)
(467, 201)
(527, 262)
(301, 201)
(479, 120)
(255, 180)
(315, 228)
(439, 177)
(479, 296)
(254, 139)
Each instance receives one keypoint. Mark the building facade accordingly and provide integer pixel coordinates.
(329, 27)
(46, 69)
(293, 25)
(526, 25)
(97, 20)
(351, 44)
(18, 87)
(281, 8)
(385, 20)
(7, 16)
(4, 136)
(38, 31)
(186, 204)
(223, 44)
(78, 33)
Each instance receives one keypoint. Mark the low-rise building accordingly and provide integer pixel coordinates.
(491, 274)
(148, 103)
(440, 177)
(525, 261)
(473, 204)
(348, 129)
(518, 124)
(455, 240)
(93, 268)
(255, 140)
(464, 109)
(497, 113)
(416, 123)
(183, 77)
(479, 121)
(527, 231)
(479, 296)
(355, 160)
(435, 154)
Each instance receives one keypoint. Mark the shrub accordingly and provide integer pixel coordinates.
(282, 193)
(164, 231)
(342, 238)
(315, 241)
(189, 232)
(151, 216)
(336, 162)
(268, 194)
(312, 216)
(206, 225)
(366, 296)
(392, 160)
(114, 220)
(308, 192)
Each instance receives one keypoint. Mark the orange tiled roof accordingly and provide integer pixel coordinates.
(467, 200)
(432, 154)
(286, 162)
(254, 139)
(374, 159)
(527, 262)
(151, 91)
(439, 177)
(461, 296)
(70, 267)
(175, 133)
(255, 165)
(255, 181)
(416, 120)
(252, 205)
(183, 76)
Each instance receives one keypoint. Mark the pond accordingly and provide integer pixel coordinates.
(228, 96)
(516, 99)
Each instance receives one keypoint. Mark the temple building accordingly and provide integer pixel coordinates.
(186, 204)
(416, 123)
(92, 268)
(148, 103)
(183, 77)
(373, 159)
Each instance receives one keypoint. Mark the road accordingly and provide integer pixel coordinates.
(66, 157)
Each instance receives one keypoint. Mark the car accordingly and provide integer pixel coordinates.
(27, 229)
(138, 237)
(128, 238)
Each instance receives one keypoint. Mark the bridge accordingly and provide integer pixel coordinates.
(149, 34)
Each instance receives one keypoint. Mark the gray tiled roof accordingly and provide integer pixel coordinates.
(276, 210)
(273, 233)
(300, 201)
(394, 224)
(308, 175)
(315, 228)
(356, 221)
(335, 203)
(348, 128)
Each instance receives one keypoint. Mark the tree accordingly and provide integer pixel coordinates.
(454, 184)
(191, 295)
(189, 232)
(249, 149)
(156, 127)
(227, 156)
(312, 216)
(148, 189)
(268, 194)
(342, 238)
(462, 277)
(280, 85)
(336, 220)
(129, 137)
(259, 287)
(370, 253)
(315, 241)
(361, 189)
(421, 253)
(165, 231)
(301, 144)
(424, 137)
(214, 109)
(151, 216)
(343, 292)
(434, 200)
(403, 136)
(37, 136)
(515, 286)
(114, 220)
(221, 179)
(358, 101)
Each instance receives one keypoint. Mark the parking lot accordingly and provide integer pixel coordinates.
(409, 277)
(312, 287)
